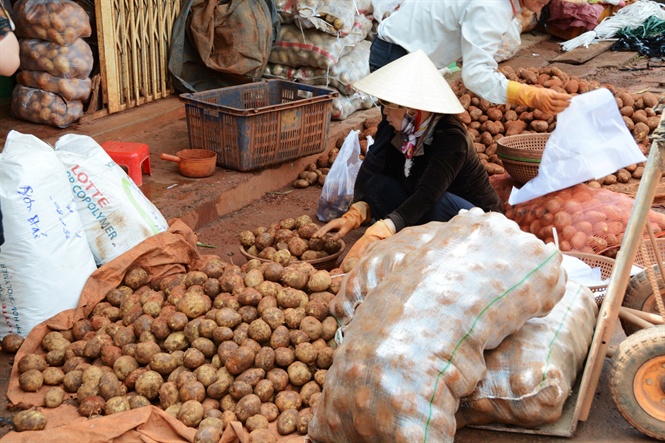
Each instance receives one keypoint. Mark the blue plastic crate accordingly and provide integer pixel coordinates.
(259, 124)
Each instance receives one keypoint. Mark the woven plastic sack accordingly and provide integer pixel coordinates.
(417, 312)
(334, 17)
(43, 107)
(286, 10)
(309, 47)
(67, 88)
(58, 21)
(587, 219)
(341, 76)
(337, 193)
(45, 260)
(74, 61)
(115, 213)
(531, 373)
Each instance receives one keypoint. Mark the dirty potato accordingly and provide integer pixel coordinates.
(11, 343)
(30, 420)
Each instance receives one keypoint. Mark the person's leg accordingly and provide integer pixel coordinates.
(384, 195)
(381, 53)
(446, 208)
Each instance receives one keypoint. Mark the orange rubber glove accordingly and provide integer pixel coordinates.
(378, 231)
(547, 100)
(357, 214)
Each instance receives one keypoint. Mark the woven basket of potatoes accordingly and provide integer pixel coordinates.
(290, 240)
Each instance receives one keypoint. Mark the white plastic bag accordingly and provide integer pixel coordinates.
(45, 260)
(115, 213)
(337, 193)
(590, 141)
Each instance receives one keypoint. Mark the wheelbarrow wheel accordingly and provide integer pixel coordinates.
(637, 380)
(640, 296)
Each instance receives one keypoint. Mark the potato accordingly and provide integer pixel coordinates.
(279, 378)
(269, 411)
(290, 297)
(312, 327)
(30, 420)
(110, 386)
(227, 317)
(207, 434)
(31, 380)
(287, 422)
(262, 436)
(190, 413)
(306, 353)
(176, 341)
(280, 337)
(115, 405)
(249, 297)
(294, 316)
(239, 360)
(193, 390)
(53, 376)
(247, 238)
(136, 277)
(12, 342)
(239, 389)
(54, 397)
(273, 271)
(324, 359)
(148, 384)
(31, 361)
(247, 406)
(73, 380)
(299, 373)
(206, 374)
(284, 356)
(138, 401)
(304, 417)
(192, 305)
(319, 281)
(257, 421)
(205, 345)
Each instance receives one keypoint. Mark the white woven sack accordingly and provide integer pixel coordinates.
(45, 260)
(115, 213)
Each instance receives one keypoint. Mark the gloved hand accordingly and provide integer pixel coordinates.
(543, 99)
(357, 214)
(378, 231)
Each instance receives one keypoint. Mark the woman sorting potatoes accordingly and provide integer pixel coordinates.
(430, 170)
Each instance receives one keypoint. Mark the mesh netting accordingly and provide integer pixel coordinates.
(586, 219)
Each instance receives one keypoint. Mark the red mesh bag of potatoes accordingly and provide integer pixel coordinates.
(415, 343)
(57, 21)
(67, 88)
(38, 106)
(73, 61)
(586, 219)
(531, 373)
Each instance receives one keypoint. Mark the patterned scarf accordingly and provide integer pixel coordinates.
(412, 129)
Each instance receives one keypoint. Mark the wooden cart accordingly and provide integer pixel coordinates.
(637, 375)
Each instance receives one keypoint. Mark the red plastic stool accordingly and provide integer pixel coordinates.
(134, 156)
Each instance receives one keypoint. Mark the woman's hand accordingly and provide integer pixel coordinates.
(354, 217)
(378, 231)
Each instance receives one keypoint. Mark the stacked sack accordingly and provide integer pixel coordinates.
(56, 62)
(323, 42)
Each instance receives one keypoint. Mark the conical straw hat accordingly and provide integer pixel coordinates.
(414, 82)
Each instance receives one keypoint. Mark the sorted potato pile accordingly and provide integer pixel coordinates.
(417, 312)
(326, 160)
(55, 62)
(288, 241)
(587, 219)
(487, 123)
(531, 373)
(226, 343)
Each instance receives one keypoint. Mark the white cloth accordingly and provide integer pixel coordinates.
(434, 27)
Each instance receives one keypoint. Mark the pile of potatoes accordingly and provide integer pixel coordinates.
(487, 122)
(247, 343)
(315, 173)
(289, 241)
